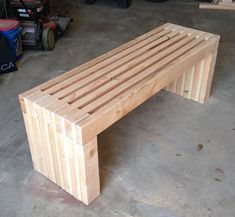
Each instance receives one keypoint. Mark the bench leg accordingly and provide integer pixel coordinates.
(71, 166)
(196, 82)
(89, 171)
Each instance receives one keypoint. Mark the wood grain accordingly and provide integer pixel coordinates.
(64, 115)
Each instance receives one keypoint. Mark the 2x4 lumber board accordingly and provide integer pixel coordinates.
(219, 6)
(119, 107)
(89, 171)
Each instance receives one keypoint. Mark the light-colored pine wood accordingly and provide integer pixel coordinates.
(221, 5)
(198, 81)
(64, 115)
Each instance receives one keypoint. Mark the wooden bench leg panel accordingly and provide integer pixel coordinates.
(71, 166)
(195, 83)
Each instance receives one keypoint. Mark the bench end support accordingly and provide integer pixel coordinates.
(195, 83)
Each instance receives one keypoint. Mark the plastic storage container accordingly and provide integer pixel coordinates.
(11, 30)
(7, 61)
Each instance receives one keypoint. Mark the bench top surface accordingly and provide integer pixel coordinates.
(93, 89)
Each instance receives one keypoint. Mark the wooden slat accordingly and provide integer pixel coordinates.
(57, 144)
(34, 148)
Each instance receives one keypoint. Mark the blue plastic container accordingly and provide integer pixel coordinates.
(12, 31)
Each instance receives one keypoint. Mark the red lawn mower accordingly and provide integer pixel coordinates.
(39, 29)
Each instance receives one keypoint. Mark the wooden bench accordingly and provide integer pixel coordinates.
(64, 115)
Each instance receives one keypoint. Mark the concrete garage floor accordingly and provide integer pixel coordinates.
(149, 162)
